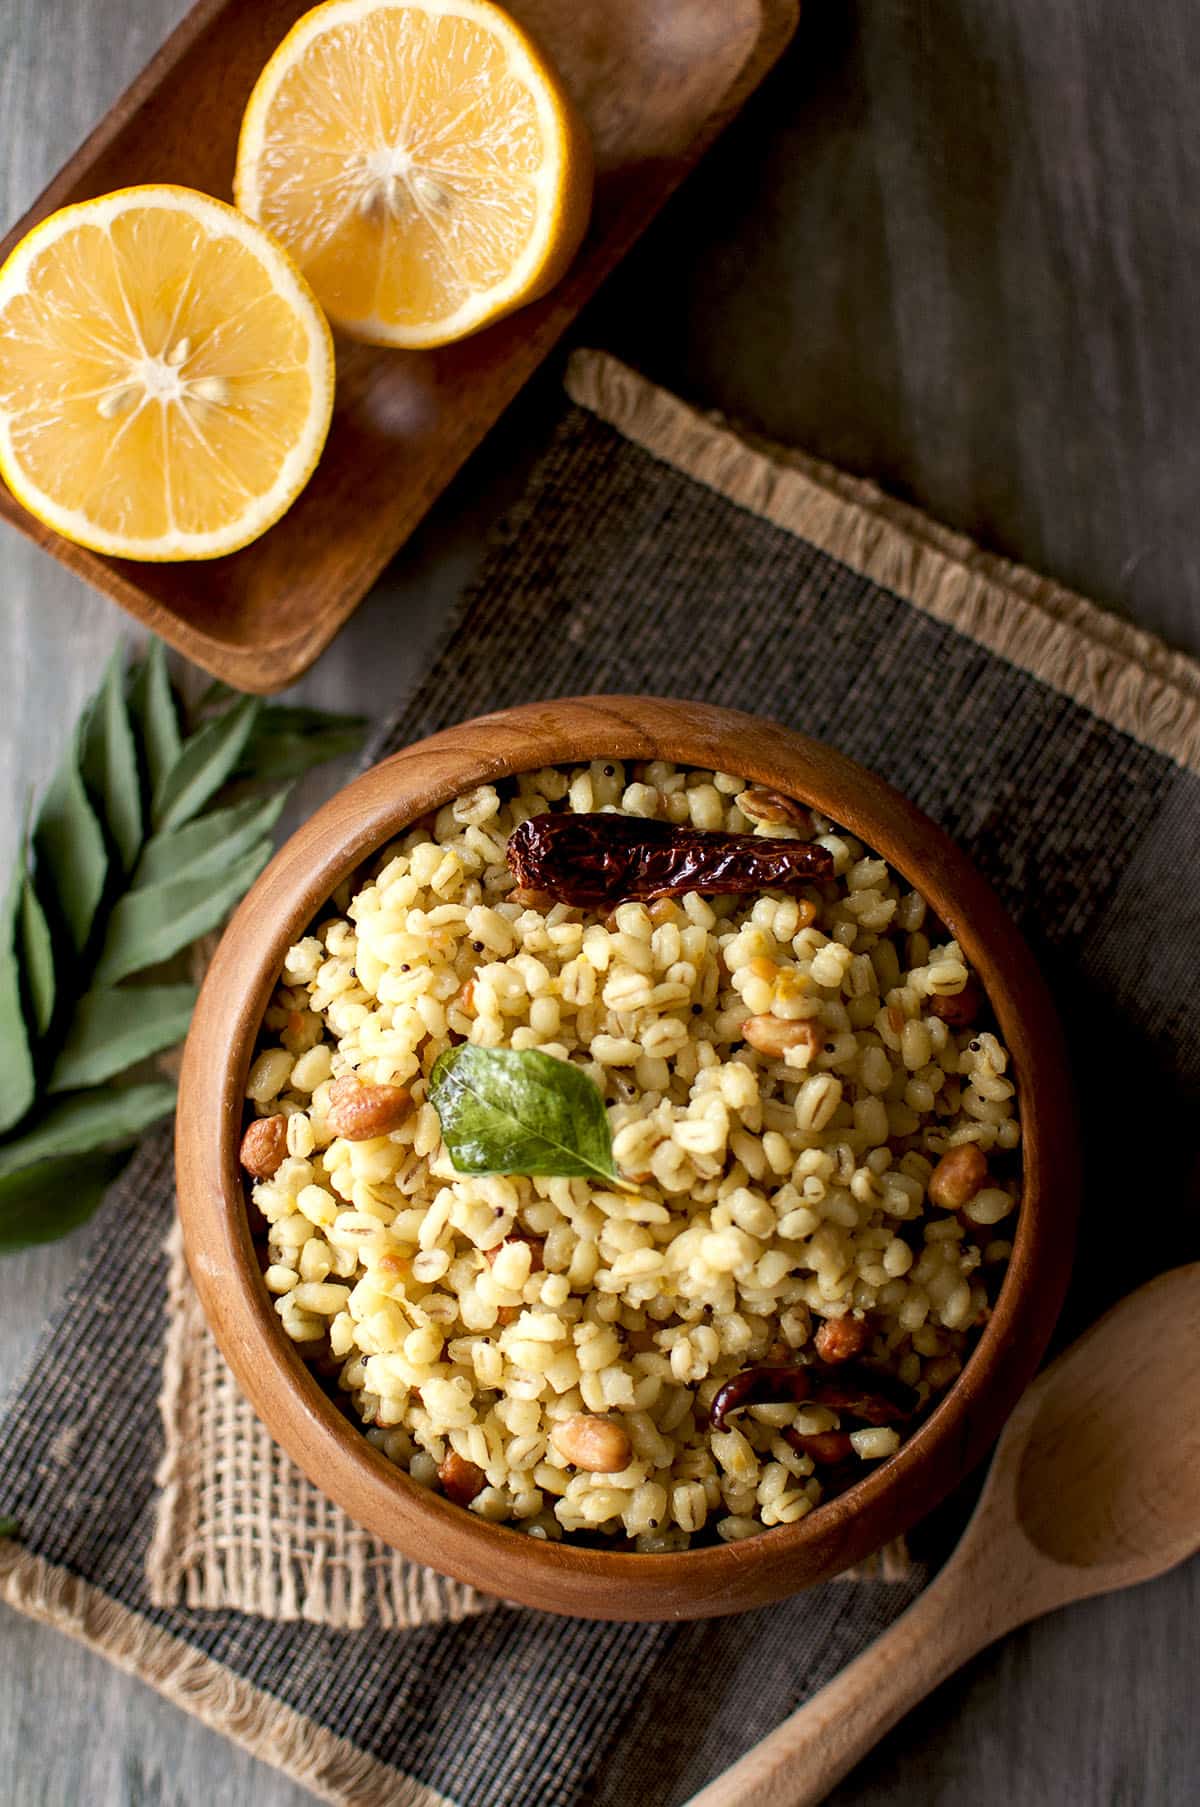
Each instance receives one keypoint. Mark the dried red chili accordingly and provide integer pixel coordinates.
(596, 861)
(762, 1385)
(871, 1395)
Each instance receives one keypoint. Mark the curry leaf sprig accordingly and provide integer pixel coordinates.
(144, 840)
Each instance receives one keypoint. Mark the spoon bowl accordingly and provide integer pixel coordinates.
(1106, 1481)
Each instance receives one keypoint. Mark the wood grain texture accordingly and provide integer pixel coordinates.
(1093, 1488)
(329, 1447)
(654, 89)
(954, 247)
(779, 285)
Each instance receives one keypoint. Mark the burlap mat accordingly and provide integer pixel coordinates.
(239, 1525)
(654, 550)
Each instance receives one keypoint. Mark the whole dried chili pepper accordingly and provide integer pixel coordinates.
(763, 1385)
(595, 861)
(871, 1395)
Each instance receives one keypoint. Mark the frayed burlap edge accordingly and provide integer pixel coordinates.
(238, 1526)
(1126, 677)
(177, 1507)
(332, 1767)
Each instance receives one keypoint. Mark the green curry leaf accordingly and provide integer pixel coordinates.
(152, 705)
(70, 849)
(106, 1116)
(287, 741)
(115, 1026)
(115, 883)
(37, 955)
(209, 844)
(42, 1202)
(151, 925)
(510, 1110)
(206, 760)
(110, 764)
(17, 1084)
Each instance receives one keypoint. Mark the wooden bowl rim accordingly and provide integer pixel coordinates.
(331, 846)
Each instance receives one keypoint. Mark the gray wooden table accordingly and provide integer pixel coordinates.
(955, 246)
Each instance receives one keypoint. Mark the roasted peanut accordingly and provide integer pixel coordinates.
(774, 1035)
(461, 1480)
(957, 1177)
(358, 1111)
(841, 1339)
(597, 1445)
(773, 809)
(960, 1010)
(264, 1146)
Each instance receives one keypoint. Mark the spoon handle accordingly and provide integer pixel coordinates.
(960, 1612)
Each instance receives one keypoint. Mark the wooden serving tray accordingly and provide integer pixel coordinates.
(655, 80)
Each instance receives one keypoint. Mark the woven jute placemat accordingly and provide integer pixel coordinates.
(654, 549)
(238, 1525)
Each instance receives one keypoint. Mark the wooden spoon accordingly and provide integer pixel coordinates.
(1095, 1485)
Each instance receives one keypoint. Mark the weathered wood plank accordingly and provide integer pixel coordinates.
(955, 247)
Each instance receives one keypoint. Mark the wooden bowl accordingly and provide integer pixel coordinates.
(330, 1449)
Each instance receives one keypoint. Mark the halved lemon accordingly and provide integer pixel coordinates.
(166, 375)
(422, 163)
